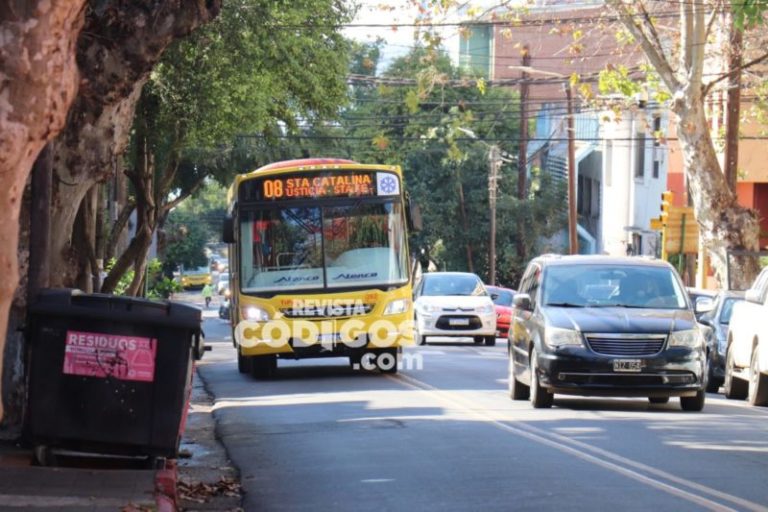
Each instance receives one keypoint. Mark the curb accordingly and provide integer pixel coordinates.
(166, 480)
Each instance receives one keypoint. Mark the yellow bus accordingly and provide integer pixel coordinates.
(319, 264)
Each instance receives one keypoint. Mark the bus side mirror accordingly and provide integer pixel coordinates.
(228, 230)
(415, 222)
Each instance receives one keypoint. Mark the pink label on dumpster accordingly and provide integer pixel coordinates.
(95, 354)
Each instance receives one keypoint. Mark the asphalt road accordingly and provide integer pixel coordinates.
(443, 435)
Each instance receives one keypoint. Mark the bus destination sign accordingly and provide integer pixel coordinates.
(322, 185)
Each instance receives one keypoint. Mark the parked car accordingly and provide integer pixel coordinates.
(223, 283)
(502, 301)
(606, 326)
(454, 304)
(195, 278)
(717, 320)
(746, 362)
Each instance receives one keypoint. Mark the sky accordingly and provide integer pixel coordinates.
(399, 40)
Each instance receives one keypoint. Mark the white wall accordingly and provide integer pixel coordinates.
(630, 202)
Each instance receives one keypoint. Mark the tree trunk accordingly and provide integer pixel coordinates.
(724, 224)
(38, 82)
(116, 232)
(121, 43)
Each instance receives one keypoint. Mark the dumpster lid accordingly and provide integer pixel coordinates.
(69, 301)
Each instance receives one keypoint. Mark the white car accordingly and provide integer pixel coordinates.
(454, 304)
(223, 283)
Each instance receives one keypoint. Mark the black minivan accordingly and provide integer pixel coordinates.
(605, 326)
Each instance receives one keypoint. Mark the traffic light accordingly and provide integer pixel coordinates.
(666, 203)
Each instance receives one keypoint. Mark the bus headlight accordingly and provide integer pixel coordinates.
(691, 338)
(255, 314)
(397, 306)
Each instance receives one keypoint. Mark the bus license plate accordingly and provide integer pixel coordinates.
(458, 321)
(329, 338)
(627, 365)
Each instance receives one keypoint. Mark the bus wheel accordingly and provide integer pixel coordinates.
(244, 363)
(386, 361)
(264, 367)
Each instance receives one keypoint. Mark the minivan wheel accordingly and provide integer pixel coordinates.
(478, 340)
(758, 383)
(490, 341)
(693, 403)
(658, 399)
(540, 397)
(517, 390)
(733, 387)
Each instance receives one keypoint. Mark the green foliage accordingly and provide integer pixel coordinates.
(424, 129)
(125, 280)
(186, 237)
(617, 80)
(258, 66)
(748, 13)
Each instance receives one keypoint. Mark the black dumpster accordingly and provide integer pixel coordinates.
(109, 375)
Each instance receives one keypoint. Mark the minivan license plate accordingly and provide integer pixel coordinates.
(627, 365)
(458, 321)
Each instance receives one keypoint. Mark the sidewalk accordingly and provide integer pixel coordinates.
(27, 487)
(204, 480)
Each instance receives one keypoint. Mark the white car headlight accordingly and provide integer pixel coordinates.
(397, 306)
(689, 338)
(485, 308)
(255, 314)
(556, 337)
(427, 309)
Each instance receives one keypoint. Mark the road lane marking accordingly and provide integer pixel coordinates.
(609, 460)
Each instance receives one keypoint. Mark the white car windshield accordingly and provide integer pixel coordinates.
(452, 284)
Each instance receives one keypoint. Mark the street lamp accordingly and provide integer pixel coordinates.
(495, 158)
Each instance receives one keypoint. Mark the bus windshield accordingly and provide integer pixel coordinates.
(361, 244)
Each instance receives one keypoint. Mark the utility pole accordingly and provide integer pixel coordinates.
(522, 154)
(494, 162)
(573, 240)
(733, 107)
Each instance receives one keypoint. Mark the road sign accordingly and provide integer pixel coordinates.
(679, 229)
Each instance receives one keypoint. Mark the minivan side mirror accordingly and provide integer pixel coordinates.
(522, 301)
(704, 305)
(752, 295)
(228, 230)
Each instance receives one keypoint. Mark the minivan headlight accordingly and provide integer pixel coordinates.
(556, 337)
(688, 338)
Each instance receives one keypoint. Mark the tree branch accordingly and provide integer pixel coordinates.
(699, 41)
(118, 226)
(686, 36)
(708, 87)
(654, 54)
(173, 204)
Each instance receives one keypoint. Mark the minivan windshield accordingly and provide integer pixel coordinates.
(600, 285)
(453, 284)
